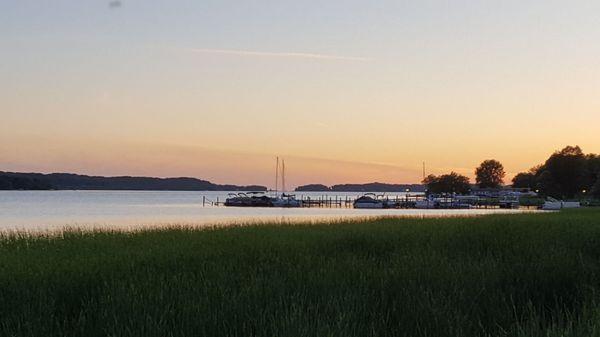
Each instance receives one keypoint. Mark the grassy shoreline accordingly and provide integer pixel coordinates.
(495, 275)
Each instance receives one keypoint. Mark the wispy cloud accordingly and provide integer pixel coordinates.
(277, 54)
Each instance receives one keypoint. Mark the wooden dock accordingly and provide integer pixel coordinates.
(401, 202)
(329, 201)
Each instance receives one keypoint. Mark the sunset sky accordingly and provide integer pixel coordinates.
(346, 91)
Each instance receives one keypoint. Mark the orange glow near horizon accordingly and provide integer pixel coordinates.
(113, 158)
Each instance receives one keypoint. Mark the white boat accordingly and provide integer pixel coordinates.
(554, 205)
(368, 200)
(286, 200)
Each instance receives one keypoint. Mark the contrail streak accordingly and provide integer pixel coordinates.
(277, 54)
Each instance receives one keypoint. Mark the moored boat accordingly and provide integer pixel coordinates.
(368, 200)
(249, 199)
(260, 199)
(552, 204)
(286, 200)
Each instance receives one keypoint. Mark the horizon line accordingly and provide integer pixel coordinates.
(95, 175)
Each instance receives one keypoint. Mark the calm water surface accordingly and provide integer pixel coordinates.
(48, 210)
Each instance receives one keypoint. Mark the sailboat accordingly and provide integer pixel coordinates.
(260, 199)
(284, 199)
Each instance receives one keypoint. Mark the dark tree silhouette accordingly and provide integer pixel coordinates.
(527, 179)
(524, 180)
(12, 182)
(447, 183)
(593, 169)
(596, 189)
(546, 184)
(567, 169)
(490, 174)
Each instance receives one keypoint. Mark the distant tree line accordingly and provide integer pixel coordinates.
(369, 187)
(8, 182)
(447, 183)
(567, 173)
(313, 188)
(67, 181)
(490, 174)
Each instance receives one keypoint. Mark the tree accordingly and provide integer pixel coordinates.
(546, 184)
(447, 183)
(593, 169)
(524, 180)
(565, 174)
(568, 170)
(490, 174)
(596, 189)
(5, 183)
(528, 179)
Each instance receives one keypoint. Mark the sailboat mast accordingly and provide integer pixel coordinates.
(283, 176)
(276, 175)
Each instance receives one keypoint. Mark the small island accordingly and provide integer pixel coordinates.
(369, 187)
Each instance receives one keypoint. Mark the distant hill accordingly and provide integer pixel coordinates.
(313, 188)
(68, 181)
(370, 187)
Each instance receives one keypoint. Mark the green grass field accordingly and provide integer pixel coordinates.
(498, 275)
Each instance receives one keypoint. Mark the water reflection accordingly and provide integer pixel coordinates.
(48, 210)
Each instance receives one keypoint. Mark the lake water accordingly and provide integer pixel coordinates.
(50, 210)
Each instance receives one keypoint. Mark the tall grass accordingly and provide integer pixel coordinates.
(498, 275)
